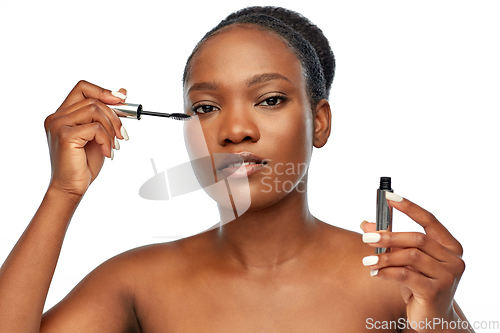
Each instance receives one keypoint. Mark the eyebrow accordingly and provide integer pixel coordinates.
(256, 79)
(203, 86)
(261, 78)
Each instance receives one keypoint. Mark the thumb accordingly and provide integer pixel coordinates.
(368, 226)
(119, 95)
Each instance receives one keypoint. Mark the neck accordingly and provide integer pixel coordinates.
(271, 236)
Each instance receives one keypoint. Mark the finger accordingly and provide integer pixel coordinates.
(431, 225)
(79, 136)
(415, 281)
(418, 240)
(88, 114)
(84, 90)
(112, 116)
(123, 93)
(414, 258)
(368, 226)
(93, 105)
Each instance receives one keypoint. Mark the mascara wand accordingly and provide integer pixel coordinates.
(130, 110)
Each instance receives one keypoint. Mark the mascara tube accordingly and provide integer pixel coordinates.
(128, 110)
(384, 212)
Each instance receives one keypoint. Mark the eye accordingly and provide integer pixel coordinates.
(273, 100)
(203, 108)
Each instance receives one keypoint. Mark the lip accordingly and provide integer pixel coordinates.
(246, 156)
(244, 170)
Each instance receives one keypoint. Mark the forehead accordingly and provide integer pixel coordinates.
(239, 52)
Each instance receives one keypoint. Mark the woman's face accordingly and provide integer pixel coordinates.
(249, 92)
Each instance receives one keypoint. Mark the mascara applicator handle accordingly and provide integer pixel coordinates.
(128, 110)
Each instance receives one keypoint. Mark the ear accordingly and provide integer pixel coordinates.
(322, 123)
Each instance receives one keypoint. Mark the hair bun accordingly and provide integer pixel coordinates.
(305, 28)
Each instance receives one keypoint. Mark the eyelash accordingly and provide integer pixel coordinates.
(281, 97)
(277, 96)
(201, 105)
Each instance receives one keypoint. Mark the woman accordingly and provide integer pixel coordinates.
(259, 91)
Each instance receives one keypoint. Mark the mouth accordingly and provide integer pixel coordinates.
(236, 160)
(241, 164)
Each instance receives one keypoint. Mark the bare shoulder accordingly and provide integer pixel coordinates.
(375, 298)
(165, 258)
(105, 300)
(350, 241)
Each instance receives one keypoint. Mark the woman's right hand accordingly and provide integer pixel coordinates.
(80, 134)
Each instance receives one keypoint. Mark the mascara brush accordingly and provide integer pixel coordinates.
(130, 110)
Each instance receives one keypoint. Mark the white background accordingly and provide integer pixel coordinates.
(415, 97)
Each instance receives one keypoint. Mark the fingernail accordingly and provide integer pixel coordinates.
(374, 272)
(393, 197)
(117, 144)
(112, 154)
(370, 260)
(124, 133)
(371, 237)
(118, 94)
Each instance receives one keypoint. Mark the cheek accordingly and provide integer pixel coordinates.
(198, 152)
(194, 138)
(294, 135)
(292, 142)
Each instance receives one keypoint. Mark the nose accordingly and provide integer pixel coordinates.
(237, 125)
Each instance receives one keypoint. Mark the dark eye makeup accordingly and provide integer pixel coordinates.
(274, 100)
(201, 108)
(270, 101)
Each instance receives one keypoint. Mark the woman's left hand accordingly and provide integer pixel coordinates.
(427, 265)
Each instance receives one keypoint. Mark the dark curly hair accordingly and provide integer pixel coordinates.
(304, 38)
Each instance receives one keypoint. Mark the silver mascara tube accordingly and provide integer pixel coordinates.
(384, 212)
